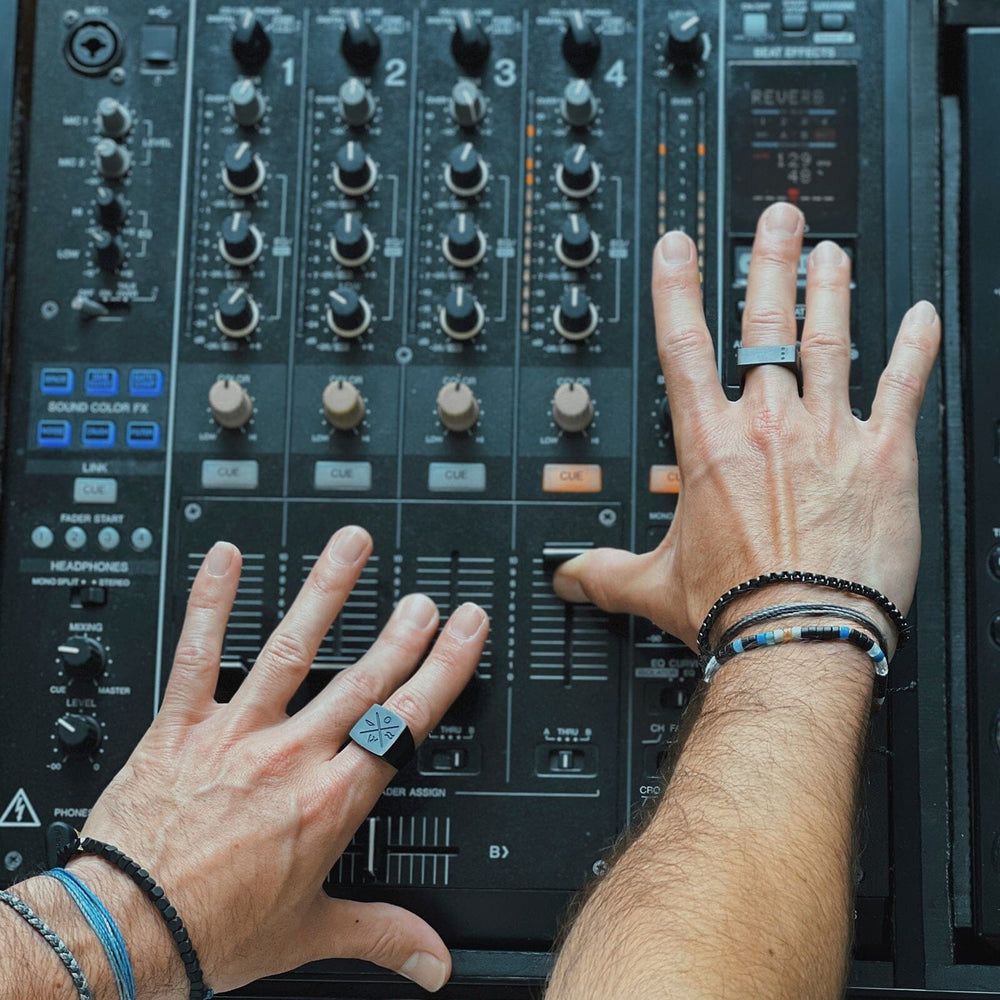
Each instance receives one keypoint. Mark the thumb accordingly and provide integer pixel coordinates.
(614, 580)
(389, 936)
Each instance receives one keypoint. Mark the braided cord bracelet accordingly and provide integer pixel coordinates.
(104, 926)
(154, 892)
(56, 943)
(903, 628)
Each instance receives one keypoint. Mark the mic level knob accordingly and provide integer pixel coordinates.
(466, 172)
(360, 44)
(357, 106)
(83, 657)
(230, 404)
(467, 105)
(470, 45)
(79, 734)
(114, 118)
(240, 242)
(581, 45)
(575, 318)
(351, 244)
(250, 43)
(572, 408)
(343, 405)
(457, 407)
(461, 315)
(354, 172)
(246, 104)
(577, 244)
(236, 314)
(578, 104)
(348, 314)
(243, 170)
(464, 244)
(113, 159)
(577, 176)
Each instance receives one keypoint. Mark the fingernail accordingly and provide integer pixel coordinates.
(676, 248)
(827, 254)
(924, 312)
(417, 610)
(425, 970)
(467, 621)
(348, 546)
(219, 559)
(781, 219)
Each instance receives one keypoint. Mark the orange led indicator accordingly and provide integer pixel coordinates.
(531, 131)
(664, 479)
(530, 163)
(662, 149)
(701, 149)
(529, 179)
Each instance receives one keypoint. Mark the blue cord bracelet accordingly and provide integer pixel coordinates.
(103, 925)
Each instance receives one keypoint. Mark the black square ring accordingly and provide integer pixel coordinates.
(383, 733)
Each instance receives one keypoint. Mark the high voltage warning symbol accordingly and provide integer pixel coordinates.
(20, 811)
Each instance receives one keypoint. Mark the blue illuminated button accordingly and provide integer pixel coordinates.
(142, 434)
(98, 434)
(145, 382)
(342, 476)
(456, 477)
(100, 382)
(57, 381)
(53, 434)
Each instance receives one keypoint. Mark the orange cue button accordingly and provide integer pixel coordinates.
(571, 479)
(664, 479)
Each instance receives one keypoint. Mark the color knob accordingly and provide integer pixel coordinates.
(110, 207)
(113, 117)
(354, 172)
(470, 45)
(240, 242)
(79, 734)
(357, 106)
(109, 254)
(343, 405)
(230, 404)
(467, 105)
(685, 42)
(246, 103)
(581, 45)
(351, 244)
(250, 43)
(575, 318)
(347, 313)
(113, 159)
(243, 171)
(578, 104)
(457, 407)
(577, 176)
(464, 244)
(236, 313)
(572, 408)
(359, 44)
(83, 657)
(577, 244)
(461, 316)
(466, 172)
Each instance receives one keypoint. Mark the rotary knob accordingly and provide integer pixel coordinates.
(470, 45)
(354, 172)
(464, 244)
(575, 318)
(577, 176)
(109, 253)
(581, 45)
(243, 171)
(250, 43)
(357, 106)
(666, 420)
(236, 313)
(461, 316)
(467, 105)
(78, 733)
(578, 104)
(110, 207)
(83, 657)
(360, 44)
(230, 404)
(457, 407)
(572, 408)
(246, 103)
(240, 242)
(577, 245)
(685, 42)
(351, 244)
(113, 159)
(466, 172)
(113, 118)
(347, 313)
(343, 405)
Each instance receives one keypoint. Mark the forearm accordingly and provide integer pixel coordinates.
(740, 885)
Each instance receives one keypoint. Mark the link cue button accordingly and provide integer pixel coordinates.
(89, 490)
(559, 478)
(664, 479)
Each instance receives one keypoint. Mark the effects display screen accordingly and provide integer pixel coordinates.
(793, 131)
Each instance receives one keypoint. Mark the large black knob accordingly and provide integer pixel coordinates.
(470, 45)
(112, 158)
(242, 169)
(110, 207)
(236, 313)
(240, 242)
(109, 254)
(354, 172)
(351, 243)
(461, 315)
(577, 176)
(685, 44)
(575, 318)
(465, 173)
(360, 43)
(83, 657)
(464, 244)
(250, 43)
(348, 314)
(577, 243)
(581, 45)
(78, 733)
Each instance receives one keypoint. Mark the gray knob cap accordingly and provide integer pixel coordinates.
(115, 119)
(578, 104)
(572, 408)
(113, 159)
(343, 405)
(357, 106)
(246, 104)
(467, 105)
(230, 403)
(457, 406)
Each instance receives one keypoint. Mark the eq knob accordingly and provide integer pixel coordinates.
(360, 44)
(113, 159)
(461, 316)
(575, 318)
(236, 313)
(466, 172)
(83, 657)
(354, 172)
(110, 207)
(250, 43)
(577, 176)
(578, 105)
(470, 45)
(572, 408)
(230, 403)
(240, 242)
(78, 733)
(581, 45)
(351, 244)
(109, 254)
(464, 244)
(457, 407)
(357, 106)
(467, 105)
(343, 405)
(113, 118)
(685, 42)
(246, 103)
(577, 244)
(243, 171)
(347, 313)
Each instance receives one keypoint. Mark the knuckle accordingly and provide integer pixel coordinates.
(201, 604)
(275, 757)
(769, 429)
(827, 338)
(358, 685)
(415, 708)
(903, 383)
(671, 280)
(328, 580)
(774, 254)
(388, 946)
(768, 318)
(682, 340)
(192, 654)
(828, 278)
(284, 650)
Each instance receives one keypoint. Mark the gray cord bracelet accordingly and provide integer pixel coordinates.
(55, 942)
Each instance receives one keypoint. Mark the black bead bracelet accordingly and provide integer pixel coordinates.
(155, 894)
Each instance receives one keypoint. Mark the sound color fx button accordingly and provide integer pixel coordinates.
(219, 474)
(456, 477)
(89, 490)
(342, 476)
(571, 478)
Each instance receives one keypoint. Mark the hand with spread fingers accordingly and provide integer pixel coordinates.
(776, 480)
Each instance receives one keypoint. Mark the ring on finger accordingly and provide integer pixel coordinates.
(384, 734)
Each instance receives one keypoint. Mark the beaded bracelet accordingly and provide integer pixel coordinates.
(104, 926)
(812, 579)
(56, 943)
(807, 633)
(142, 878)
